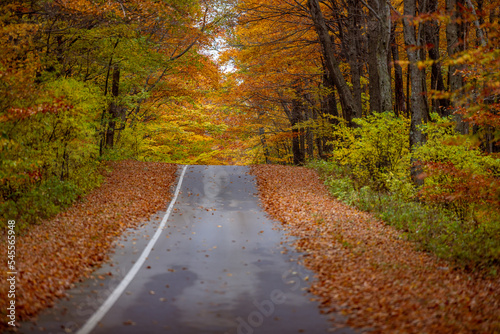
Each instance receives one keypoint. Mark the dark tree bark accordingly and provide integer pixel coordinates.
(295, 120)
(431, 30)
(329, 110)
(418, 110)
(399, 94)
(329, 103)
(264, 144)
(373, 73)
(418, 106)
(379, 33)
(422, 56)
(318, 139)
(302, 136)
(114, 108)
(332, 64)
(383, 56)
(309, 135)
(455, 40)
(408, 85)
(355, 51)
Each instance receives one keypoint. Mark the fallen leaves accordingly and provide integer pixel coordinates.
(56, 253)
(366, 271)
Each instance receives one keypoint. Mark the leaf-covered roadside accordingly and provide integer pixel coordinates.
(52, 255)
(367, 271)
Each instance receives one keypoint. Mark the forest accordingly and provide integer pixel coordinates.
(395, 103)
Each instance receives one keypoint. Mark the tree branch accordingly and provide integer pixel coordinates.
(372, 11)
(476, 22)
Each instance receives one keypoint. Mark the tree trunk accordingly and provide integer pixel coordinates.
(114, 108)
(354, 51)
(383, 56)
(332, 62)
(329, 109)
(309, 134)
(318, 139)
(454, 38)
(302, 135)
(432, 29)
(330, 101)
(418, 110)
(379, 34)
(296, 118)
(264, 144)
(373, 70)
(422, 55)
(399, 105)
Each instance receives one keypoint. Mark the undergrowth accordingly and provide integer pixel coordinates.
(453, 213)
(45, 199)
(433, 229)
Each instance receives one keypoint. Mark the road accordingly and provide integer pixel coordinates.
(213, 263)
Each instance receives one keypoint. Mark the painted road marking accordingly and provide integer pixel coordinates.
(101, 312)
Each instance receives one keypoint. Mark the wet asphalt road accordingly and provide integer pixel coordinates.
(219, 266)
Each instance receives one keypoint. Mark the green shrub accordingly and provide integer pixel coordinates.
(375, 151)
(39, 203)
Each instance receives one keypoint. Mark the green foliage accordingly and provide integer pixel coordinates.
(375, 151)
(338, 181)
(187, 137)
(40, 202)
(50, 158)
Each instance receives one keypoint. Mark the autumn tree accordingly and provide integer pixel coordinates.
(273, 74)
(84, 81)
(332, 63)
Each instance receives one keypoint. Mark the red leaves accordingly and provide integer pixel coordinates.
(366, 271)
(459, 185)
(52, 255)
(23, 113)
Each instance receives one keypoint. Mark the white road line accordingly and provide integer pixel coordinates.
(113, 297)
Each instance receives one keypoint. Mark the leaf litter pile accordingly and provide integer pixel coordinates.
(366, 271)
(52, 255)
